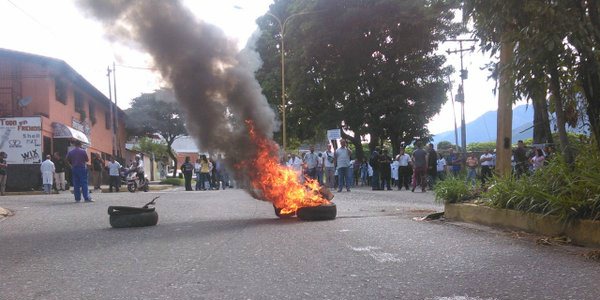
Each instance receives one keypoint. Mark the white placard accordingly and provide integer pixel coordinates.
(21, 139)
(334, 134)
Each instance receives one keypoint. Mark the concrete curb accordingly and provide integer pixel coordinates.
(582, 232)
(151, 187)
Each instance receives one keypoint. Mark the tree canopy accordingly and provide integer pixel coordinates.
(156, 113)
(556, 54)
(369, 67)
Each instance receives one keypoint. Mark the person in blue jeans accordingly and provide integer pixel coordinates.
(78, 159)
(342, 162)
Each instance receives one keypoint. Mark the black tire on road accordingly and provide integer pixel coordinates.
(132, 187)
(317, 213)
(125, 216)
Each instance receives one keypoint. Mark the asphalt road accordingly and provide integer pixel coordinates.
(225, 245)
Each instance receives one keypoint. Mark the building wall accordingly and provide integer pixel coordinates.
(23, 75)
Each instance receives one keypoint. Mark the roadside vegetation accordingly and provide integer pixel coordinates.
(567, 191)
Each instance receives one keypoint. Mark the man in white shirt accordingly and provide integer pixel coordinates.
(486, 161)
(114, 168)
(441, 168)
(329, 164)
(311, 161)
(295, 163)
(404, 177)
(342, 163)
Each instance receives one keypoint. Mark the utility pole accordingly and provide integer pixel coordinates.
(460, 96)
(505, 91)
(112, 111)
(116, 115)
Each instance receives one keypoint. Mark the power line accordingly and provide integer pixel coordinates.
(31, 17)
(136, 67)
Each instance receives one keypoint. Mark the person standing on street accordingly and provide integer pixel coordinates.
(420, 167)
(404, 174)
(114, 177)
(432, 158)
(78, 159)
(342, 162)
(454, 162)
(472, 165)
(3, 166)
(486, 161)
(374, 162)
(295, 163)
(329, 167)
(320, 168)
(47, 169)
(521, 159)
(97, 166)
(311, 162)
(59, 174)
(385, 167)
(187, 169)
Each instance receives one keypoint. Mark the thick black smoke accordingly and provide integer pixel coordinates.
(213, 82)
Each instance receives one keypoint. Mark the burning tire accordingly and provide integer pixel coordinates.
(317, 213)
(125, 216)
(280, 215)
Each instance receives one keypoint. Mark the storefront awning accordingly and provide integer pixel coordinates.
(64, 131)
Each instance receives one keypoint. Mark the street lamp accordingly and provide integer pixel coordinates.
(281, 34)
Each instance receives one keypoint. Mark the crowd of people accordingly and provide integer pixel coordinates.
(381, 171)
(335, 169)
(209, 174)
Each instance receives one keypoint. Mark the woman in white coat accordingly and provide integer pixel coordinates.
(47, 169)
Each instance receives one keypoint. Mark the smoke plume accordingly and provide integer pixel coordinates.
(213, 82)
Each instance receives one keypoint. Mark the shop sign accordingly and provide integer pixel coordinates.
(21, 139)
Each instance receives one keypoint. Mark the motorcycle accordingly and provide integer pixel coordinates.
(134, 182)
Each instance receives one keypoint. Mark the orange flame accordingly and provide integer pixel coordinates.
(278, 184)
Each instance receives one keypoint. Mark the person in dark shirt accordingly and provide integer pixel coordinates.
(521, 159)
(187, 169)
(374, 162)
(386, 170)
(432, 157)
(420, 167)
(78, 159)
(97, 167)
(59, 173)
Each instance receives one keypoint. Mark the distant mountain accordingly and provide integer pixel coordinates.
(483, 129)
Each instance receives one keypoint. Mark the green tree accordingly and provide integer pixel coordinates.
(156, 113)
(556, 52)
(445, 145)
(368, 67)
(151, 146)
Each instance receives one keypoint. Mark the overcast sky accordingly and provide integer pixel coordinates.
(58, 29)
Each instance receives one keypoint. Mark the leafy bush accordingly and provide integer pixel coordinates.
(173, 181)
(569, 192)
(452, 190)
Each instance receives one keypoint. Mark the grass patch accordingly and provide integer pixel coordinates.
(173, 181)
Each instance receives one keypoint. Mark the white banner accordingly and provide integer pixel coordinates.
(21, 139)
(334, 134)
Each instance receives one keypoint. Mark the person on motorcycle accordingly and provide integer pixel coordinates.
(138, 165)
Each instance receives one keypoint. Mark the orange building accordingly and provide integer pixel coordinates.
(44, 106)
